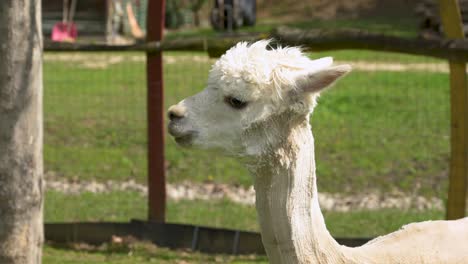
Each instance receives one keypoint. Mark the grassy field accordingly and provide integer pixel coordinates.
(137, 253)
(375, 129)
(123, 206)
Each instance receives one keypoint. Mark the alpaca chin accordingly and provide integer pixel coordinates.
(185, 141)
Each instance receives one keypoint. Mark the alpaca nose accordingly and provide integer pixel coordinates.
(176, 112)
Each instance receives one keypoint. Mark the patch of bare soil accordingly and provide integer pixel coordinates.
(92, 61)
(398, 67)
(103, 61)
(371, 200)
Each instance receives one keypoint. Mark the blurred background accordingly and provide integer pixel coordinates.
(382, 134)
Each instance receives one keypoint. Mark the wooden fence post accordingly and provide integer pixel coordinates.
(457, 195)
(155, 114)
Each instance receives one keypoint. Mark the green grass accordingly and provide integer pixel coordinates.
(385, 129)
(123, 206)
(373, 130)
(136, 253)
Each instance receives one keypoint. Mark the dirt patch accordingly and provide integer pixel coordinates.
(371, 200)
(103, 61)
(92, 61)
(398, 67)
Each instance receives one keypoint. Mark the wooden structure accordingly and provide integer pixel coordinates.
(431, 20)
(94, 18)
(314, 40)
(155, 115)
(91, 16)
(458, 184)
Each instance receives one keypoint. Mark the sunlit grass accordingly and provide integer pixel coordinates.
(137, 253)
(121, 206)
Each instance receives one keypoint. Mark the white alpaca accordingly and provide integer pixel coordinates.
(256, 106)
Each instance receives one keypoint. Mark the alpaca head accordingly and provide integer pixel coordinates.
(253, 97)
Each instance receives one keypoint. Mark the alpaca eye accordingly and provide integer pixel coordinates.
(235, 103)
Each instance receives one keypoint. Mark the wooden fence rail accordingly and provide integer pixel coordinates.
(315, 40)
(458, 176)
(321, 40)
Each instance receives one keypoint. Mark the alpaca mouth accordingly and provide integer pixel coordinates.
(183, 138)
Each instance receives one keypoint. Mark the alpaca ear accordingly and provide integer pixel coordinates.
(317, 81)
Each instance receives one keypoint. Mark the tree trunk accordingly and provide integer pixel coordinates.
(21, 191)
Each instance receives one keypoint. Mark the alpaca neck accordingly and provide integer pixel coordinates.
(292, 225)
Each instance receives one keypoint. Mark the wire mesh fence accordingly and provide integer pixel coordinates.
(382, 143)
(95, 133)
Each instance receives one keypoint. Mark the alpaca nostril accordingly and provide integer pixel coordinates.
(175, 113)
(174, 116)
